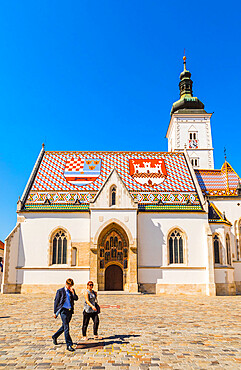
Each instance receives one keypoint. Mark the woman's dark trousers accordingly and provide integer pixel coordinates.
(66, 317)
(86, 319)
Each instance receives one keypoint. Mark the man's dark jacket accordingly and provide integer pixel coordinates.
(60, 299)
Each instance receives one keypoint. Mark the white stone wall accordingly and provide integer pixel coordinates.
(100, 218)
(52, 275)
(232, 209)
(153, 230)
(178, 137)
(124, 212)
(33, 246)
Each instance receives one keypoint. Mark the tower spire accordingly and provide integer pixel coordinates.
(187, 102)
(184, 60)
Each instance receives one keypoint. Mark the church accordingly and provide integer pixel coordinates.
(150, 222)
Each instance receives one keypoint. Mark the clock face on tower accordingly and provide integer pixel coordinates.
(193, 144)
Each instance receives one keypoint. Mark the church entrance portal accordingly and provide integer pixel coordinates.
(113, 258)
(113, 278)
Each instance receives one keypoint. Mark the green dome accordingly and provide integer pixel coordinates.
(187, 102)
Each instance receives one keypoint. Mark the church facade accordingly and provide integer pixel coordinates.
(155, 222)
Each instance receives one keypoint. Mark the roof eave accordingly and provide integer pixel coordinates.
(31, 178)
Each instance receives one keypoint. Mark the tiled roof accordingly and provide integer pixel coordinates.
(222, 182)
(215, 216)
(51, 190)
(1, 245)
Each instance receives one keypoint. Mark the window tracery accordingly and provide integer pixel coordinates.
(59, 248)
(176, 247)
(113, 248)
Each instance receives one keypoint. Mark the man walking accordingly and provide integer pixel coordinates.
(64, 305)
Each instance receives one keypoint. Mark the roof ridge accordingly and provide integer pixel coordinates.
(112, 151)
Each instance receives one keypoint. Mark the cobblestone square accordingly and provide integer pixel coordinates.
(139, 332)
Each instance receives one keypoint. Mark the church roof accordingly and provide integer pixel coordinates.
(222, 182)
(71, 180)
(215, 216)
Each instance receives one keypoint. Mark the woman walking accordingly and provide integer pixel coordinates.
(90, 311)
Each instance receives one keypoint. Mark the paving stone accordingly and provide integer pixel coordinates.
(183, 333)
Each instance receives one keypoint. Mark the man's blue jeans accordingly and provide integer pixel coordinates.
(66, 316)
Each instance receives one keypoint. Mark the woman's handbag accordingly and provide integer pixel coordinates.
(97, 307)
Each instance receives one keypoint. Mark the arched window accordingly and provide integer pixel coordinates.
(59, 246)
(113, 195)
(228, 250)
(175, 244)
(74, 256)
(216, 248)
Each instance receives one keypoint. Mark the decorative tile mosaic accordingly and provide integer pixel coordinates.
(52, 186)
(222, 182)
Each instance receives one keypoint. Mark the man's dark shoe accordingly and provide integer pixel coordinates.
(70, 348)
(55, 341)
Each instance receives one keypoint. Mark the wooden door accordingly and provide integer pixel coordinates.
(113, 278)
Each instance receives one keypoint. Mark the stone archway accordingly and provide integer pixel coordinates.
(113, 258)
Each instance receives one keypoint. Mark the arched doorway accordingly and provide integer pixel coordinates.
(113, 278)
(113, 258)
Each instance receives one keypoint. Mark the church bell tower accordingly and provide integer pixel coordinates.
(189, 125)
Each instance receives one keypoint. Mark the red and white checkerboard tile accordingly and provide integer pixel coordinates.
(218, 182)
(50, 176)
(75, 164)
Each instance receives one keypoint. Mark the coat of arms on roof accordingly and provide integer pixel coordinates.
(149, 172)
(80, 171)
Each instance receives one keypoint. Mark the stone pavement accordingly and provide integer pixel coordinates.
(139, 332)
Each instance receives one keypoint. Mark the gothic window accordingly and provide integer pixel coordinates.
(113, 196)
(228, 252)
(175, 244)
(216, 248)
(59, 248)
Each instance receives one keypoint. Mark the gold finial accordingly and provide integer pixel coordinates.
(184, 60)
(225, 154)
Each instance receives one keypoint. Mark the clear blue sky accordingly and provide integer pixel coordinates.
(102, 75)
